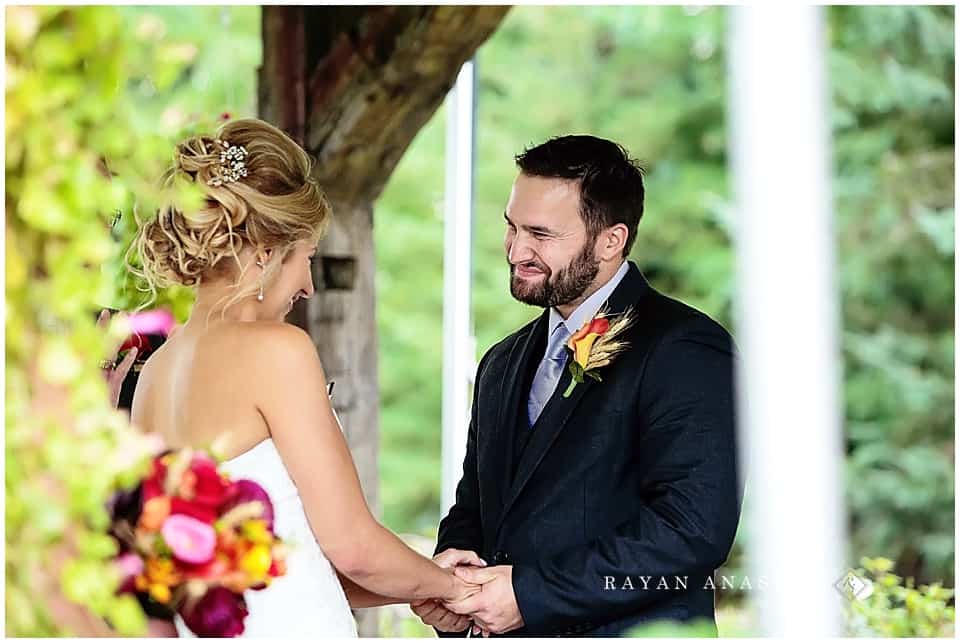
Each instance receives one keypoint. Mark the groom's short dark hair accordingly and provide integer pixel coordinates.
(611, 183)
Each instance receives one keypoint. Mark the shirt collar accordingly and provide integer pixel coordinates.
(591, 305)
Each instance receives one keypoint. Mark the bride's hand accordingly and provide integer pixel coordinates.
(450, 558)
(115, 375)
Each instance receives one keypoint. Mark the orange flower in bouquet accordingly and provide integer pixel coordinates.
(192, 541)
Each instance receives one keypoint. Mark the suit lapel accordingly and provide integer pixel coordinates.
(510, 401)
(558, 410)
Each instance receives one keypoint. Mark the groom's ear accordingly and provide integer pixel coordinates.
(612, 241)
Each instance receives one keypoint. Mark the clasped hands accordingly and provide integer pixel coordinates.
(490, 610)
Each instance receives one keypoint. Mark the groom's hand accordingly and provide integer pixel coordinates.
(494, 608)
(432, 612)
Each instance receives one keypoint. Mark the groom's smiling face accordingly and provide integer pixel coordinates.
(551, 255)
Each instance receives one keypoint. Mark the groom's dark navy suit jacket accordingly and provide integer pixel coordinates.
(629, 478)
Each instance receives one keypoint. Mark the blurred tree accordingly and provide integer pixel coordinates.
(893, 79)
(71, 164)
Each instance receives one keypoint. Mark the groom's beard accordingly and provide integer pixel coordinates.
(569, 284)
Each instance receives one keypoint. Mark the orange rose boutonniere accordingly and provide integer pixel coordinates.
(595, 345)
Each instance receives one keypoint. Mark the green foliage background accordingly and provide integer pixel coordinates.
(652, 78)
(68, 112)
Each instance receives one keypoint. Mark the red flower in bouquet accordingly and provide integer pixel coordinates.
(195, 489)
(148, 329)
(243, 492)
(153, 483)
(193, 541)
(219, 612)
(203, 484)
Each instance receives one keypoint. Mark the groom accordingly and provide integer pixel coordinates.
(611, 504)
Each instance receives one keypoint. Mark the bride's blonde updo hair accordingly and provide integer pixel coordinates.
(270, 203)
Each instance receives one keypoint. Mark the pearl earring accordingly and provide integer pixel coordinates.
(260, 294)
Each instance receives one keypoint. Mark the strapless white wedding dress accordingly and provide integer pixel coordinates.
(308, 600)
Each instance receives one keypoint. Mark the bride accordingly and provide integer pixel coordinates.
(236, 377)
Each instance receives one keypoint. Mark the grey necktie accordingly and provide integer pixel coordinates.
(548, 373)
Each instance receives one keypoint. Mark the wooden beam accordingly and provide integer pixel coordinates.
(375, 83)
(282, 76)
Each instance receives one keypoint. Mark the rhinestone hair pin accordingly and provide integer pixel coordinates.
(232, 166)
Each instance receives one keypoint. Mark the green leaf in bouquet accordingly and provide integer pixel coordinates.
(126, 615)
(96, 545)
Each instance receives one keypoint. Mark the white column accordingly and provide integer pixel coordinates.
(459, 353)
(787, 308)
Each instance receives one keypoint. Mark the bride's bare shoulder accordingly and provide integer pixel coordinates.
(279, 343)
(279, 330)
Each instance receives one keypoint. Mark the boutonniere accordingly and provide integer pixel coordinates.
(595, 345)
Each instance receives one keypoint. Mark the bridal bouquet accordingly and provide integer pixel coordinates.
(192, 541)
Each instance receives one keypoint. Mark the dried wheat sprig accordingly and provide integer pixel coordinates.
(604, 349)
